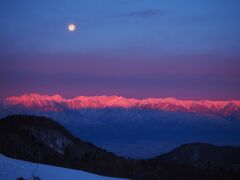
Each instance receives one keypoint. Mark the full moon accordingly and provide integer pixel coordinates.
(71, 27)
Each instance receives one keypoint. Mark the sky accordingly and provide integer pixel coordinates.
(134, 48)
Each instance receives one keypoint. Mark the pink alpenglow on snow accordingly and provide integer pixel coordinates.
(58, 103)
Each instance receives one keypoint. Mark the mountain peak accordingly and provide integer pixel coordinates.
(57, 97)
(46, 102)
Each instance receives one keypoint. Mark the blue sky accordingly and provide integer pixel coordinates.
(134, 48)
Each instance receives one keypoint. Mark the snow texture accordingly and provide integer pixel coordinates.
(10, 169)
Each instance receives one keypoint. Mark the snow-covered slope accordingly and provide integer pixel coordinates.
(10, 169)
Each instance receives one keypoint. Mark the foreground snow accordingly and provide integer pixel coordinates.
(10, 169)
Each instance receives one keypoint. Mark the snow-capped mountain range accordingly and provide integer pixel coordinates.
(58, 103)
(135, 127)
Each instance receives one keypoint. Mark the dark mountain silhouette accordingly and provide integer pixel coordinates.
(42, 140)
(134, 132)
(39, 139)
(203, 154)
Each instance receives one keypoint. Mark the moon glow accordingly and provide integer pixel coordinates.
(71, 27)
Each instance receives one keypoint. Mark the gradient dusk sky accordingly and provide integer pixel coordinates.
(188, 49)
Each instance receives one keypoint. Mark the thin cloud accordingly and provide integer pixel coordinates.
(147, 13)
